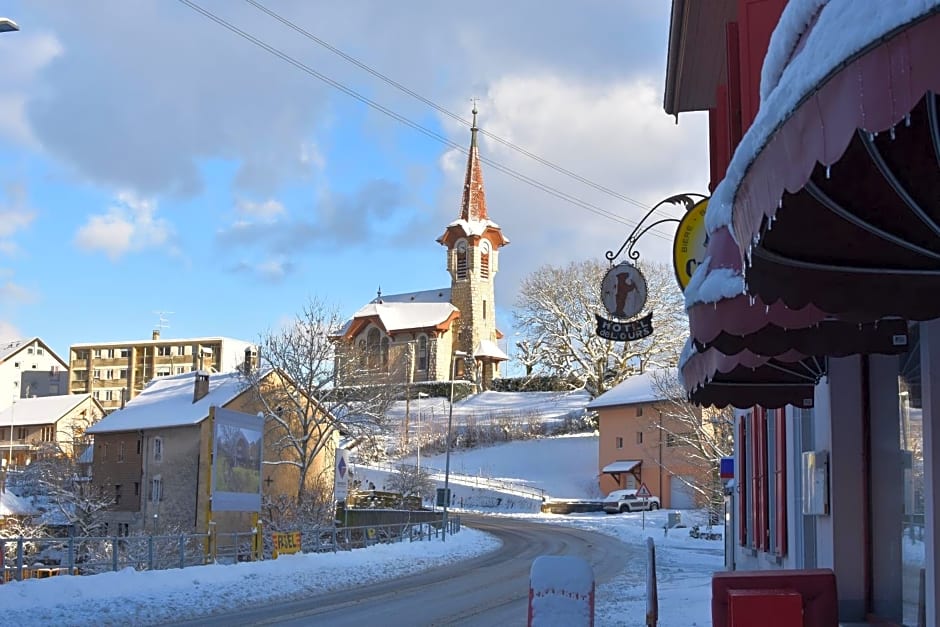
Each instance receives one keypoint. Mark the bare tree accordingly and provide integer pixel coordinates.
(305, 411)
(555, 314)
(411, 481)
(705, 435)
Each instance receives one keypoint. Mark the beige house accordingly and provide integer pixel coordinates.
(33, 428)
(153, 454)
(413, 337)
(115, 372)
(636, 445)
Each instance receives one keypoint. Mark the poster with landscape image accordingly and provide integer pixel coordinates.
(236, 461)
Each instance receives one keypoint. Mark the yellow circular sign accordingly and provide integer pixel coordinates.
(688, 249)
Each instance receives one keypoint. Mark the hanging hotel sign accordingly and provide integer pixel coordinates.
(623, 292)
(688, 249)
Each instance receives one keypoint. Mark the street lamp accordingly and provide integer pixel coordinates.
(450, 424)
(7, 25)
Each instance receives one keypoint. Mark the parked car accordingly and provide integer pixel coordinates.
(620, 501)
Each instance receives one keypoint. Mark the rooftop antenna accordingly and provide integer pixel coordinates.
(162, 321)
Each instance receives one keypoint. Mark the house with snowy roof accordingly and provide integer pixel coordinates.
(413, 337)
(153, 455)
(46, 426)
(28, 367)
(640, 442)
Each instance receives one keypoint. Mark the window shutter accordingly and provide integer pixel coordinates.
(780, 482)
(742, 479)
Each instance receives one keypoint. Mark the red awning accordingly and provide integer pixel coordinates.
(836, 200)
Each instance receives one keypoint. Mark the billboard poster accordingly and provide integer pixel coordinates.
(238, 444)
(341, 475)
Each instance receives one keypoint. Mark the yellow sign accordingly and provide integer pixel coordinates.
(287, 542)
(688, 249)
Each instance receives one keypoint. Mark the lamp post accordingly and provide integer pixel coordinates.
(450, 425)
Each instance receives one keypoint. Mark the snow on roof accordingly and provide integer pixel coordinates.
(640, 388)
(8, 348)
(488, 348)
(622, 465)
(12, 505)
(410, 315)
(841, 30)
(168, 402)
(475, 227)
(163, 340)
(40, 410)
(441, 295)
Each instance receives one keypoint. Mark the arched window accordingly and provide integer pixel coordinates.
(485, 260)
(461, 263)
(372, 348)
(422, 353)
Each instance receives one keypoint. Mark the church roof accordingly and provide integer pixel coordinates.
(441, 295)
(398, 316)
(473, 203)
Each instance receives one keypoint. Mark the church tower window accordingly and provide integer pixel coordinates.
(461, 262)
(485, 260)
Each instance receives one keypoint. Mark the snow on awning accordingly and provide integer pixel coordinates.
(487, 349)
(623, 465)
(831, 194)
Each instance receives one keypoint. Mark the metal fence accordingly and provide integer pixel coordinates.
(37, 558)
(474, 481)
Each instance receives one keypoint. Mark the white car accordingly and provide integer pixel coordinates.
(620, 501)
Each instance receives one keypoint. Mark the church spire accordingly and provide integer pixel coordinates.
(473, 203)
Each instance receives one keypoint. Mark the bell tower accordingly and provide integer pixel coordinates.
(473, 242)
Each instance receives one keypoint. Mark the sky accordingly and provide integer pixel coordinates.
(684, 564)
(153, 161)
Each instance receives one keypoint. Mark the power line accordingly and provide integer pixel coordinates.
(390, 81)
(407, 122)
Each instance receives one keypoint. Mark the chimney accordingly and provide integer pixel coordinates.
(251, 359)
(200, 385)
(156, 334)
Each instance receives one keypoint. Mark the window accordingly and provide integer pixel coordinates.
(619, 443)
(460, 260)
(180, 369)
(29, 351)
(639, 437)
(138, 445)
(672, 440)
(81, 375)
(22, 433)
(117, 494)
(639, 410)
(123, 352)
(123, 529)
(81, 355)
(158, 449)
(163, 351)
(97, 353)
(423, 353)
(120, 452)
(39, 351)
(47, 434)
(110, 353)
(372, 343)
(122, 373)
(136, 489)
(484, 311)
(163, 371)
(156, 489)
(104, 450)
(111, 395)
(485, 262)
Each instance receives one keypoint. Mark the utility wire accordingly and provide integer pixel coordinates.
(407, 122)
(390, 81)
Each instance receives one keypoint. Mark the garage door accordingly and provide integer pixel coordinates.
(681, 495)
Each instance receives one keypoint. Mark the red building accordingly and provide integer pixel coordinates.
(813, 309)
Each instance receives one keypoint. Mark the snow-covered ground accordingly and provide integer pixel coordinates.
(570, 463)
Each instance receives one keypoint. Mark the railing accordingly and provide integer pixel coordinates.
(36, 558)
(471, 480)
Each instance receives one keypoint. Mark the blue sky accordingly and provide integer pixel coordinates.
(151, 160)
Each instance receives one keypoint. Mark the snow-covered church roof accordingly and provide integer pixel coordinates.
(408, 310)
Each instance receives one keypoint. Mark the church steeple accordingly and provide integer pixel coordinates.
(473, 203)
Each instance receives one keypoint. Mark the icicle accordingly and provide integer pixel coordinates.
(892, 133)
(907, 120)
(780, 203)
(827, 172)
(766, 309)
(751, 300)
(871, 137)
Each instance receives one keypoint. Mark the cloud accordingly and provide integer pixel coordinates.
(15, 215)
(266, 211)
(9, 332)
(25, 56)
(130, 225)
(273, 269)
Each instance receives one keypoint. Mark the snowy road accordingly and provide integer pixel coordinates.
(489, 590)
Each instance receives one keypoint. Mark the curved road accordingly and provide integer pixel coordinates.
(492, 589)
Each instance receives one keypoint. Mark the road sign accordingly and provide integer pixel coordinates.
(644, 492)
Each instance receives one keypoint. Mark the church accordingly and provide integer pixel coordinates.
(433, 334)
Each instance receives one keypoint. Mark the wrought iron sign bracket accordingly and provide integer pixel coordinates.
(687, 200)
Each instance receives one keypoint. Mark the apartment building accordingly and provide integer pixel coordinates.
(115, 372)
